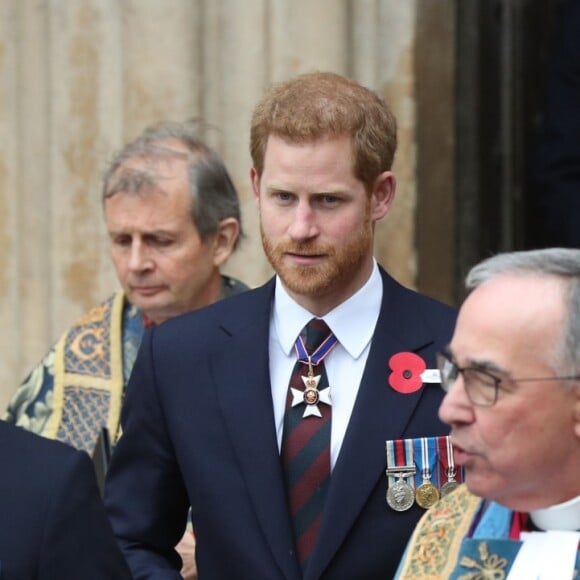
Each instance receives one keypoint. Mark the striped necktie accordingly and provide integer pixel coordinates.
(306, 436)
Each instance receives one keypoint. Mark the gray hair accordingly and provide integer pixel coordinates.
(213, 194)
(563, 263)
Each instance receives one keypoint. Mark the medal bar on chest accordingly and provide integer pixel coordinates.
(426, 493)
(400, 472)
(450, 477)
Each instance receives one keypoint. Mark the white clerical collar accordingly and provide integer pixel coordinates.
(352, 322)
(564, 516)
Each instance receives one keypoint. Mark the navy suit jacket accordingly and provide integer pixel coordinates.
(52, 521)
(199, 429)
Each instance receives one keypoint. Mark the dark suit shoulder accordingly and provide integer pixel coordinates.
(56, 526)
(429, 308)
(34, 468)
(18, 446)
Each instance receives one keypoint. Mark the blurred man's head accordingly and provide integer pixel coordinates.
(173, 217)
(513, 379)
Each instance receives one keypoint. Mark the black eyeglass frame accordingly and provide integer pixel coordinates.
(449, 370)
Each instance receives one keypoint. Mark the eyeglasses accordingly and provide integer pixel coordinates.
(481, 386)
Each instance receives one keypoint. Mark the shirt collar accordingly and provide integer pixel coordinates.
(564, 516)
(352, 322)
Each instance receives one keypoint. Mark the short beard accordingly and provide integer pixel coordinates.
(339, 268)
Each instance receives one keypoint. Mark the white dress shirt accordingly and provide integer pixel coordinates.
(353, 323)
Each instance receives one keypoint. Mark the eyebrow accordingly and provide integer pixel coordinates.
(280, 189)
(154, 233)
(488, 366)
(479, 364)
(276, 189)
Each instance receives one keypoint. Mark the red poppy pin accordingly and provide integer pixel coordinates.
(406, 368)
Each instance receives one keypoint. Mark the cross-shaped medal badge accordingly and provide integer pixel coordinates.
(311, 396)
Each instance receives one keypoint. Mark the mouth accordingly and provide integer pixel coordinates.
(305, 259)
(460, 455)
(146, 290)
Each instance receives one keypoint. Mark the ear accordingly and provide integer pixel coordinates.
(255, 179)
(383, 195)
(225, 240)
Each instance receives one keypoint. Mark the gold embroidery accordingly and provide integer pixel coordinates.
(435, 544)
(88, 377)
(492, 566)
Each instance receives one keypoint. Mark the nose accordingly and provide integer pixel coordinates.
(304, 224)
(139, 259)
(456, 406)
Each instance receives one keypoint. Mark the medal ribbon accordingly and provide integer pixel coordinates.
(391, 461)
(446, 459)
(410, 459)
(399, 454)
(319, 354)
(451, 472)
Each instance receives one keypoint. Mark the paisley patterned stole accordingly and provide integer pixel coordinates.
(88, 377)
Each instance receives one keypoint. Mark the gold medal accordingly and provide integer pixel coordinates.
(426, 494)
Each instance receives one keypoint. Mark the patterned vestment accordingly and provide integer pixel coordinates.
(462, 537)
(78, 387)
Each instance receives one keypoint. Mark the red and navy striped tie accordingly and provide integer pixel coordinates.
(306, 447)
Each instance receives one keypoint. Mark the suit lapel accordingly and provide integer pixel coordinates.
(243, 387)
(379, 414)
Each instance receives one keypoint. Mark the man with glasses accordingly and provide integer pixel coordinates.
(512, 378)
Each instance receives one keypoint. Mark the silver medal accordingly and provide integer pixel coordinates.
(400, 495)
